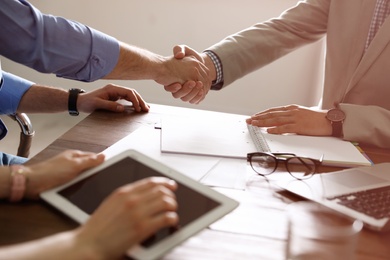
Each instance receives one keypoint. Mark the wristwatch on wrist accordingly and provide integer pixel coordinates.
(336, 116)
(72, 101)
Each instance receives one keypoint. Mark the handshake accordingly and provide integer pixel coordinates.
(195, 72)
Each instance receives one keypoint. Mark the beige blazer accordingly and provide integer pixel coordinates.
(358, 79)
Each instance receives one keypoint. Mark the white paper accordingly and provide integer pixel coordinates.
(209, 170)
(218, 135)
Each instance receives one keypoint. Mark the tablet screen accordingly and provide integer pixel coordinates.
(88, 193)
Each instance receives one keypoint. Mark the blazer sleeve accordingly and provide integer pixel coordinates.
(367, 124)
(262, 43)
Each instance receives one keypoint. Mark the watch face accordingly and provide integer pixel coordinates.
(335, 115)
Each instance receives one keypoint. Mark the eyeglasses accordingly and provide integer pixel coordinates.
(299, 167)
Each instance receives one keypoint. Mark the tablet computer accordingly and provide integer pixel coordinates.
(198, 205)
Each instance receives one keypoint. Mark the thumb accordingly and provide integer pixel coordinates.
(179, 51)
(110, 106)
(92, 160)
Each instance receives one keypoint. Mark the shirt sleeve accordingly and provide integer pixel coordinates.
(11, 92)
(52, 44)
(218, 83)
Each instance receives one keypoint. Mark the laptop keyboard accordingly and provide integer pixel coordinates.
(374, 203)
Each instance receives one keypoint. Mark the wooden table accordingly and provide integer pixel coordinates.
(261, 205)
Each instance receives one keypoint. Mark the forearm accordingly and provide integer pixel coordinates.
(60, 246)
(44, 99)
(136, 64)
(5, 182)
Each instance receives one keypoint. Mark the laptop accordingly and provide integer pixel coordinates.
(360, 193)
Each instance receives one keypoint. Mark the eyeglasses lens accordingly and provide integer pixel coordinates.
(263, 164)
(301, 168)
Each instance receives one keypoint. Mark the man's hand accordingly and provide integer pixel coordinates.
(293, 119)
(106, 97)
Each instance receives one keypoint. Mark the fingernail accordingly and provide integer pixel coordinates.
(119, 108)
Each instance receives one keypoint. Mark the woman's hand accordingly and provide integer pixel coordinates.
(293, 119)
(128, 216)
(58, 170)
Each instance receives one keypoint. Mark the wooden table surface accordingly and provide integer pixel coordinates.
(257, 228)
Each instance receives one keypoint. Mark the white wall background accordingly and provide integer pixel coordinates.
(159, 25)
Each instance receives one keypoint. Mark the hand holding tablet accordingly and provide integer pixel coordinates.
(129, 215)
(112, 191)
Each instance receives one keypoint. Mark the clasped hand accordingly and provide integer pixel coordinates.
(192, 91)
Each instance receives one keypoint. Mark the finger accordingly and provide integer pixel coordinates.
(78, 153)
(268, 121)
(157, 192)
(83, 159)
(283, 129)
(159, 203)
(267, 111)
(89, 161)
(144, 106)
(135, 99)
(115, 106)
(173, 88)
(197, 90)
(198, 98)
(179, 51)
(278, 109)
(187, 87)
(71, 155)
(201, 94)
(148, 183)
(272, 114)
(165, 219)
(141, 104)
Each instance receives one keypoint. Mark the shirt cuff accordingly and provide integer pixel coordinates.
(217, 84)
(11, 92)
(104, 57)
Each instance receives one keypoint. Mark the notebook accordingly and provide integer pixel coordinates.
(228, 135)
(361, 193)
(336, 152)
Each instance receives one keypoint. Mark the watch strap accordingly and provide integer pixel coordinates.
(336, 116)
(337, 129)
(72, 100)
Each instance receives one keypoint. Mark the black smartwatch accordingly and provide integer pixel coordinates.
(72, 101)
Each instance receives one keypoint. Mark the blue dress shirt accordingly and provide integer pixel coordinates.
(49, 44)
